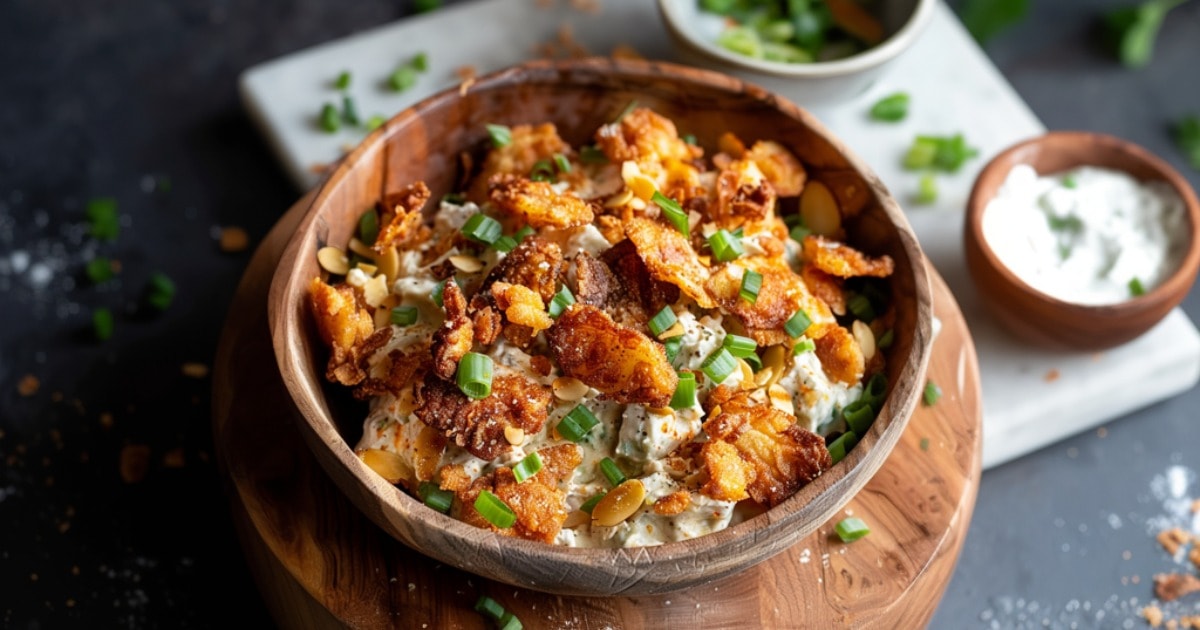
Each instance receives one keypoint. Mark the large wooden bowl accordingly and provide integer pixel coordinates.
(425, 143)
(1043, 319)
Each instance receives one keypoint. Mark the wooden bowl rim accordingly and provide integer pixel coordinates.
(1172, 290)
(858, 465)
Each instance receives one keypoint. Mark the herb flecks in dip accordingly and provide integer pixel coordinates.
(618, 344)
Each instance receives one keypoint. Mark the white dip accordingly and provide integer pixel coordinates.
(1089, 235)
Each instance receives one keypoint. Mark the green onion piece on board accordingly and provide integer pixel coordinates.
(751, 285)
(501, 135)
(99, 269)
(474, 375)
(685, 392)
(102, 324)
(420, 62)
(927, 190)
(494, 510)
(375, 122)
(719, 365)
(103, 220)
(842, 445)
(612, 472)
(424, 6)
(797, 324)
(489, 607)
(160, 291)
(933, 393)
(577, 423)
(403, 78)
(673, 211)
(851, 529)
(343, 80)
(349, 111)
(404, 315)
(527, 467)
(662, 321)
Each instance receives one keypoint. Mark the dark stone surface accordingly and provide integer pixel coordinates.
(137, 101)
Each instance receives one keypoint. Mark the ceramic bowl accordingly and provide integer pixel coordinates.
(817, 83)
(425, 143)
(1043, 319)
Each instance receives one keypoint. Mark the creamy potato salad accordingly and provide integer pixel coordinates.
(614, 345)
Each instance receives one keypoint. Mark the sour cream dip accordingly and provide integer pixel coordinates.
(1088, 235)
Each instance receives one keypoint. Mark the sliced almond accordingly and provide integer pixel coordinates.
(333, 260)
(466, 264)
(747, 375)
(383, 317)
(676, 330)
(367, 268)
(569, 389)
(362, 249)
(773, 359)
(865, 338)
(389, 263)
(643, 187)
(375, 291)
(763, 377)
(575, 519)
(781, 399)
(820, 210)
(514, 435)
(637, 203)
(387, 464)
(619, 504)
(406, 402)
(619, 199)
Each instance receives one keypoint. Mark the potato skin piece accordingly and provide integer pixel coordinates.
(623, 363)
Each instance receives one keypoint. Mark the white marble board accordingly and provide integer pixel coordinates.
(1032, 397)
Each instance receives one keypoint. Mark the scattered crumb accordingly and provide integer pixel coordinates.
(1051, 375)
(1194, 556)
(106, 420)
(1126, 555)
(1153, 615)
(466, 76)
(1102, 433)
(174, 458)
(233, 239)
(28, 385)
(317, 168)
(625, 51)
(1137, 579)
(194, 370)
(1172, 539)
(135, 460)
(1171, 586)
(1196, 506)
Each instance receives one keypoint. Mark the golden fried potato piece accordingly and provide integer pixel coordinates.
(619, 284)
(537, 203)
(673, 503)
(623, 363)
(728, 473)
(781, 295)
(646, 138)
(841, 358)
(537, 501)
(779, 165)
(782, 456)
(522, 306)
(536, 263)
(742, 194)
(843, 261)
(670, 258)
(392, 374)
(345, 326)
(428, 452)
(478, 425)
(486, 319)
(825, 287)
(456, 336)
(401, 218)
(529, 144)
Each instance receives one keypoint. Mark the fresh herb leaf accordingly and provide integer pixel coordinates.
(987, 18)
(891, 108)
(1069, 223)
(1187, 138)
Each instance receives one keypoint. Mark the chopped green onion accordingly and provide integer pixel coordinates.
(560, 302)
(742, 40)
(927, 191)
(797, 324)
(523, 233)
(851, 529)
(102, 215)
(368, 227)
(375, 122)
(590, 504)
(859, 415)
(1136, 288)
(330, 120)
(685, 392)
(501, 135)
(435, 497)
(804, 345)
(625, 112)
(99, 269)
(798, 232)
(424, 6)
(674, 212)
(494, 511)
(945, 153)
(739, 346)
(403, 78)
(482, 229)
(456, 199)
(577, 423)
(933, 393)
(662, 321)
(510, 622)
(891, 108)
(160, 291)
(859, 305)
(886, 341)
(562, 163)
(1068, 181)
(343, 80)
(404, 315)
(924, 444)
(591, 154)
(420, 62)
(612, 472)
(349, 111)
(505, 244)
(475, 375)
(842, 445)
(489, 608)
(719, 365)
(672, 346)
(725, 246)
(751, 285)
(102, 324)
(543, 171)
(754, 361)
(689, 138)
(876, 391)
(438, 290)
(740, 233)
(527, 467)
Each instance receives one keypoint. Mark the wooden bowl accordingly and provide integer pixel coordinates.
(424, 143)
(1043, 319)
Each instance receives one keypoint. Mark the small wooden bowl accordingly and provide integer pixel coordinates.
(1045, 320)
(424, 143)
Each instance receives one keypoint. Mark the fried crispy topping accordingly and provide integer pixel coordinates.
(344, 325)
(522, 306)
(781, 295)
(394, 373)
(537, 203)
(824, 287)
(620, 285)
(537, 501)
(669, 257)
(782, 456)
(645, 137)
(742, 194)
(1171, 586)
(673, 503)
(478, 425)
(485, 317)
(623, 363)
(456, 336)
(529, 144)
(536, 263)
(841, 358)
(401, 218)
(843, 261)
(779, 166)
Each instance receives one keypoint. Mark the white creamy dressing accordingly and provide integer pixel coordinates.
(1087, 235)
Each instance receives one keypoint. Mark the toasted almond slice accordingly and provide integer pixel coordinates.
(763, 377)
(389, 263)
(619, 504)
(466, 264)
(333, 260)
(375, 291)
(575, 519)
(676, 330)
(781, 399)
(387, 464)
(362, 249)
(368, 268)
(569, 389)
(619, 199)
(643, 187)
(747, 375)
(865, 338)
(773, 359)
(514, 435)
(406, 403)
(637, 203)
(383, 317)
(820, 210)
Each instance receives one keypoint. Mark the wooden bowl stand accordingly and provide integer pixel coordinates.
(320, 563)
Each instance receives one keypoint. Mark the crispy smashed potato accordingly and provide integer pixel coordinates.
(478, 425)
(344, 325)
(538, 204)
(781, 295)
(536, 263)
(401, 218)
(485, 318)
(522, 306)
(529, 144)
(670, 258)
(673, 503)
(742, 194)
(620, 285)
(779, 166)
(624, 364)
(394, 373)
(843, 261)
(646, 138)
(456, 336)
(824, 287)
(841, 358)
(537, 501)
(779, 457)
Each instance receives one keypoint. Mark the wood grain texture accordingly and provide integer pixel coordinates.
(425, 142)
(320, 563)
(1040, 318)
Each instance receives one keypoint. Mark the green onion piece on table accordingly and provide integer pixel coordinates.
(349, 111)
(474, 375)
(103, 220)
(891, 108)
(160, 291)
(423, 6)
(851, 529)
(330, 120)
(420, 62)
(102, 324)
(927, 191)
(403, 78)
(933, 393)
(343, 80)
(99, 269)
(494, 510)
